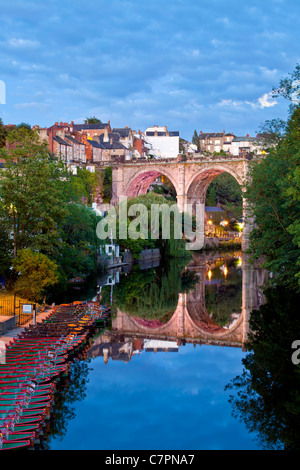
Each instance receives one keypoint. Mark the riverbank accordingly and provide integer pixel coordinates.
(8, 336)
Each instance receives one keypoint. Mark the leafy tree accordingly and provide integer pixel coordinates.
(196, 140)
(3, 134)
(36, 273)
(271, 133)
(92, 120)
(83, 184)
(24, 125)
(107, 185)
(289, 86)
(211, 196)
(226, 191)
(77, 254)
(274, 200)
(31, 193)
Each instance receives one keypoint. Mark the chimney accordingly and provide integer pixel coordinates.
(105, 138)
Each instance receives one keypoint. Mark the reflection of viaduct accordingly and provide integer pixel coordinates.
(190, 321)
(190, 179)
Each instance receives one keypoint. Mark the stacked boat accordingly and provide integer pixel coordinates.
(34, 363)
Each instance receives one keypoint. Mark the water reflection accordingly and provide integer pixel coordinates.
(205, 301)
(265, 397)
(160, 318)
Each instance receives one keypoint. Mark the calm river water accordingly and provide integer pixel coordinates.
(156, 378)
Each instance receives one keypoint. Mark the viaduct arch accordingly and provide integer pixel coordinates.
(190, 179)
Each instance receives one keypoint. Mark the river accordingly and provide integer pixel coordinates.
(158, 378)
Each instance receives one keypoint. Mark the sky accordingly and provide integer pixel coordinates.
(189, 65)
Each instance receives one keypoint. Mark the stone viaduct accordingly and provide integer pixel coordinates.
(190, 178)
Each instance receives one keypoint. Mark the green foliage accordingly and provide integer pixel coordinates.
(273, 194)
(226, 191)
(3, 134)
(211, 196)
(172, 247)
(77, 254)
(285, 88)
(31, 191)
(107, 185)
(24, 125)
(36, 274)
(82, 185)
(36, 212)
(271, 133)
(196, 140)
(92, 120)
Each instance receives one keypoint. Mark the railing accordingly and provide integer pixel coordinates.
(13, 307)
(7, 307)
(195, 158)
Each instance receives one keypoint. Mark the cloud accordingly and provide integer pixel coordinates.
(22, 43)
(200, 64)
(265, 102)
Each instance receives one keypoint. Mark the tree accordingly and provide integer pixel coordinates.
(271, 133)
(92, 120)
(196, 140)
(3, 134)
(83, 184)
(107, 185)
(273, 194)
(77, 254)
(289, 87)
(36, 273)
(31, 193)
(24, 125)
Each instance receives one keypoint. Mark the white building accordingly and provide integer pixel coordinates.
(164, 143)
(240, 145)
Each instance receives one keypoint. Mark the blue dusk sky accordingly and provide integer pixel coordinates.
(208, 65)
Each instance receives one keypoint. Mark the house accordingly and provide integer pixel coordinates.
(62, 148)
(215, 141)
(164, 143)
(187, 147)
(242, 145)
(78, 149)
(92, 130)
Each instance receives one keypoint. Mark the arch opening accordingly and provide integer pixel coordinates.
(152, 180)
(220, 191)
